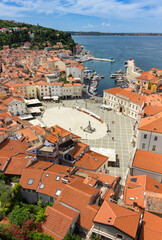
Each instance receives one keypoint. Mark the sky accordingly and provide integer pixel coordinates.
(87, 15)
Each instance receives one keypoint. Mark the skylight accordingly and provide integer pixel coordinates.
(96, 159)
(42, 186)
(58, 192)
(133, 179)
(30, 182)
(156, 186)
(58, 178)
(47, 174)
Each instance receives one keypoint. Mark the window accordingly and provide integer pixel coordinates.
(47, 174)
(155, 138)
(57, 178)
(143, 145)
(58, 192)
(42, 186)
(119, 236)
(30, 182)
(156, 186)
(145, 136)
(136, 107)
(153, 147)
(133, 179)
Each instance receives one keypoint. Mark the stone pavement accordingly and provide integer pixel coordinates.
(121, 130)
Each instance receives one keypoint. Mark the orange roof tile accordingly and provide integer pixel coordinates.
(152, 123)
(30, 179)
(146, 76)
(132, 96)
(17, 163)
(148, 161)
(74, 192)
(151, 227)
(59, 219)
(136, 188)
(114, 215)
(91, 160)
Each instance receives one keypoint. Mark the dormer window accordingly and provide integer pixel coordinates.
(42, 186)
(30, 182)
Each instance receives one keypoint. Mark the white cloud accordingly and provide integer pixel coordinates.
(106, 9)
(89, 25)
(105, 24)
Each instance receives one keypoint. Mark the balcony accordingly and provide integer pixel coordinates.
(66, 147)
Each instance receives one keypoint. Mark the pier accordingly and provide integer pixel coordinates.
(101, 59)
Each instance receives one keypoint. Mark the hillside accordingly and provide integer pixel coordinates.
(16, 34)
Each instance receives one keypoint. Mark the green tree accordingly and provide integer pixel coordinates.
(69, 236)
(19, 215)
(39, 236)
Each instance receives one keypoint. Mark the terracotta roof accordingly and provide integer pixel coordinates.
(150, 110)
(87, 215)
(17, 163)
(151, 227)
(30, 179)
(152, 123)
(73, 193)
(136, 190)
(148, 161)
(79, 147)
(39, 165)
(132, 96)
(146, 76)
(15, 145)
(59, 219)
(29, 133)
(39, 130)
(53, 182)
(114, 215)
(91, 160)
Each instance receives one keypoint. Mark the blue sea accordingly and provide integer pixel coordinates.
(145, 50)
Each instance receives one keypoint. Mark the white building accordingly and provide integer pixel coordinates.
(16, 105)
(43, 89)
(73, 90)
(76, 71)
(124, 101)
(150, 134)
(56, 89)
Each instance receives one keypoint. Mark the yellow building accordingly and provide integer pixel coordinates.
(154, 85)
(31, 90)
(145, 80)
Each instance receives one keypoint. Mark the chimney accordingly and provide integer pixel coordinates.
(68, 172)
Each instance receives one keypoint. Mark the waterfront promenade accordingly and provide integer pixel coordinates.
(131, 72)
(121, 129)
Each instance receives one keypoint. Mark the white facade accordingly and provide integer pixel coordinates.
(72, 90)
(122, 104)
(75, 71)
(56, 89)
(149, 141)
(43, 89)
(17, 108)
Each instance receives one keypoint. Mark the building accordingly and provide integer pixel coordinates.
(150, 133)
(31, 90)
(116, 222)
(149, 163)
(76, 71)
(43, 89)
(124, 101)
(144, 192)
(145, 80)
(56, 89)
(72, 90)
(16, 105)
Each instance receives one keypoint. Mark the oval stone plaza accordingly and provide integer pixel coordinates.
(120, 128)
(75, 121)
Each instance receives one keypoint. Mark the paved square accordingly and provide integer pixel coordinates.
(121, 130)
